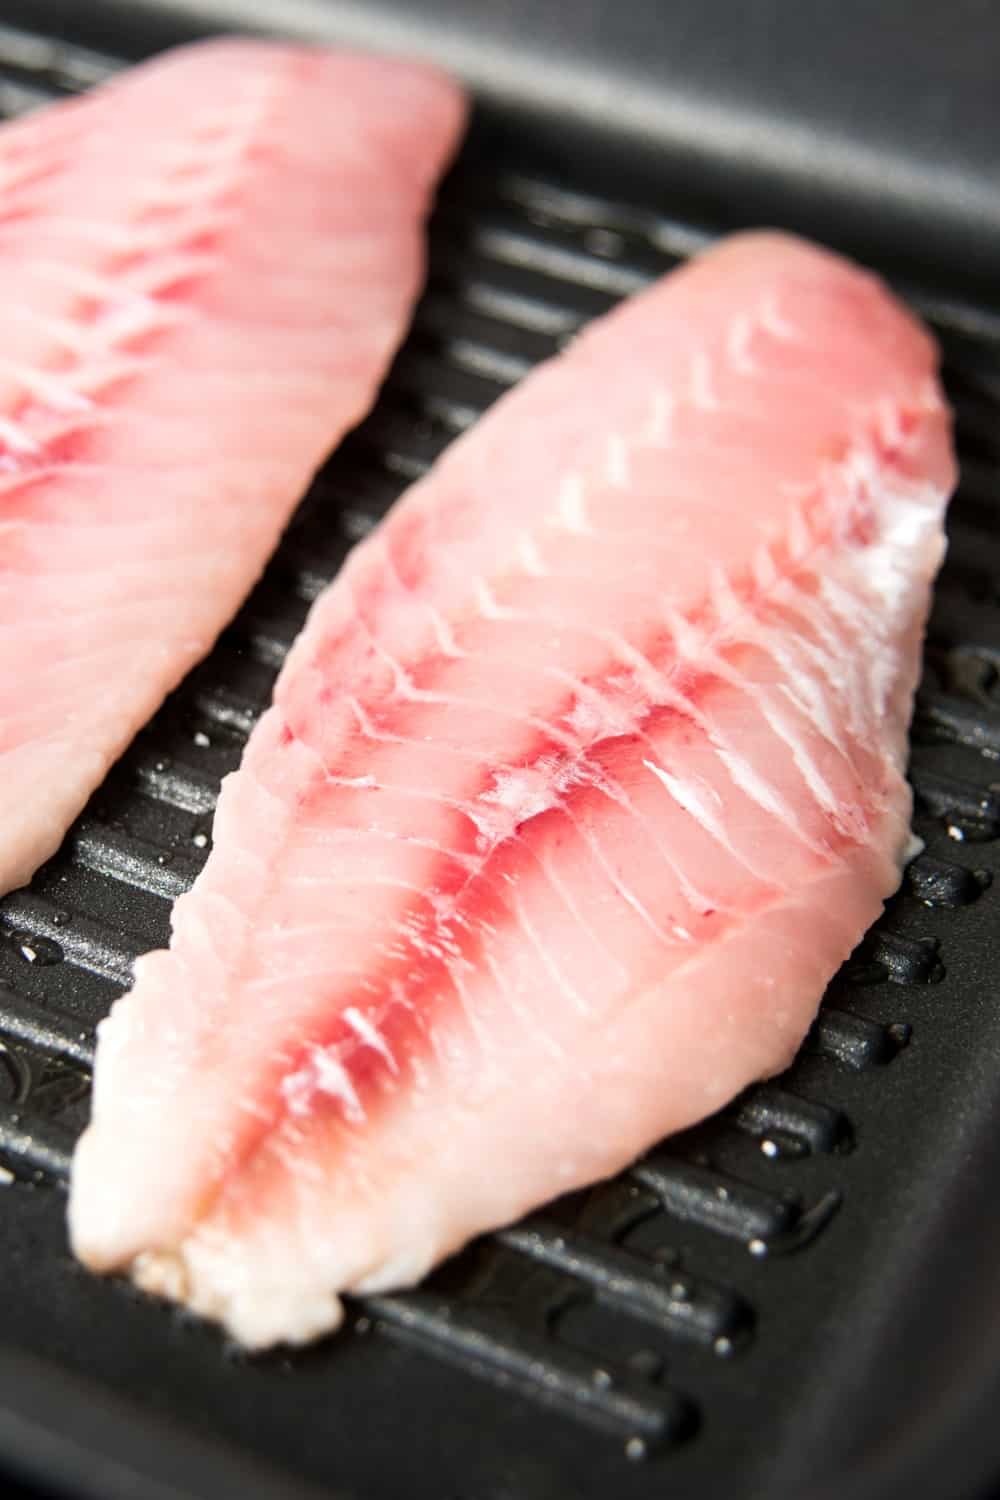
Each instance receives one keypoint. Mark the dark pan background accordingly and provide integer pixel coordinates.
(800, 1298)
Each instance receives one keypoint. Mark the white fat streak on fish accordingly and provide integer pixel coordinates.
(365, 725)
(521, 793)
(530, 557)
(322, 1072)
(738, 341)
(773, 321)
(726, 604)
(760, 790)
(139, 317)
(617, 462)
(889, 424)
(908, 528)
(907, 522)
(112, 326)
(856, 622)
(765, 319)
(904, 512)
(696, 800)
(799, 537)
(659, 429)
(618, 707)
(764, 568)
(370, 1035)
(739, 771)
(810, 703)
(486, 601)
(831, 657)
(690, 636)
(51, 390)
(571, 511)
(800, 686)
(443, 633)
(326, 1069)
(15, 438)
(781, 727)
(701, 388)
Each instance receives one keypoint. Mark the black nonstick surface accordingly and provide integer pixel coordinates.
(798, 1298)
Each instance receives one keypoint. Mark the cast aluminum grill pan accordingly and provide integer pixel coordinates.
(795, 1295)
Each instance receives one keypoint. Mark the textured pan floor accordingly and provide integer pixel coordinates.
(646, 1330)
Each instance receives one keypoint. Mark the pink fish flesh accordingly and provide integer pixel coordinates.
(205, 267)
(581, 781)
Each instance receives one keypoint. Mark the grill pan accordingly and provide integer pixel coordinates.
(796, 1299)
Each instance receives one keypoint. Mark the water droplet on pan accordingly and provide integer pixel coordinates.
(36, 950)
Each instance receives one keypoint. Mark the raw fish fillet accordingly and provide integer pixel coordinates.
(205, 267)
(579, 784)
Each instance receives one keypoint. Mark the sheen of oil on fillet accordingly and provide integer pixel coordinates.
(581, 781)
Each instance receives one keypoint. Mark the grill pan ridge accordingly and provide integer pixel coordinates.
(756, 1303)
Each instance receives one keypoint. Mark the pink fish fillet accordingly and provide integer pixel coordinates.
(579, 784)
(205, 267)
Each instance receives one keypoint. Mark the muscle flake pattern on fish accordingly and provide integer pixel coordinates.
(579, 784)
(177, 358)
(165, 239)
